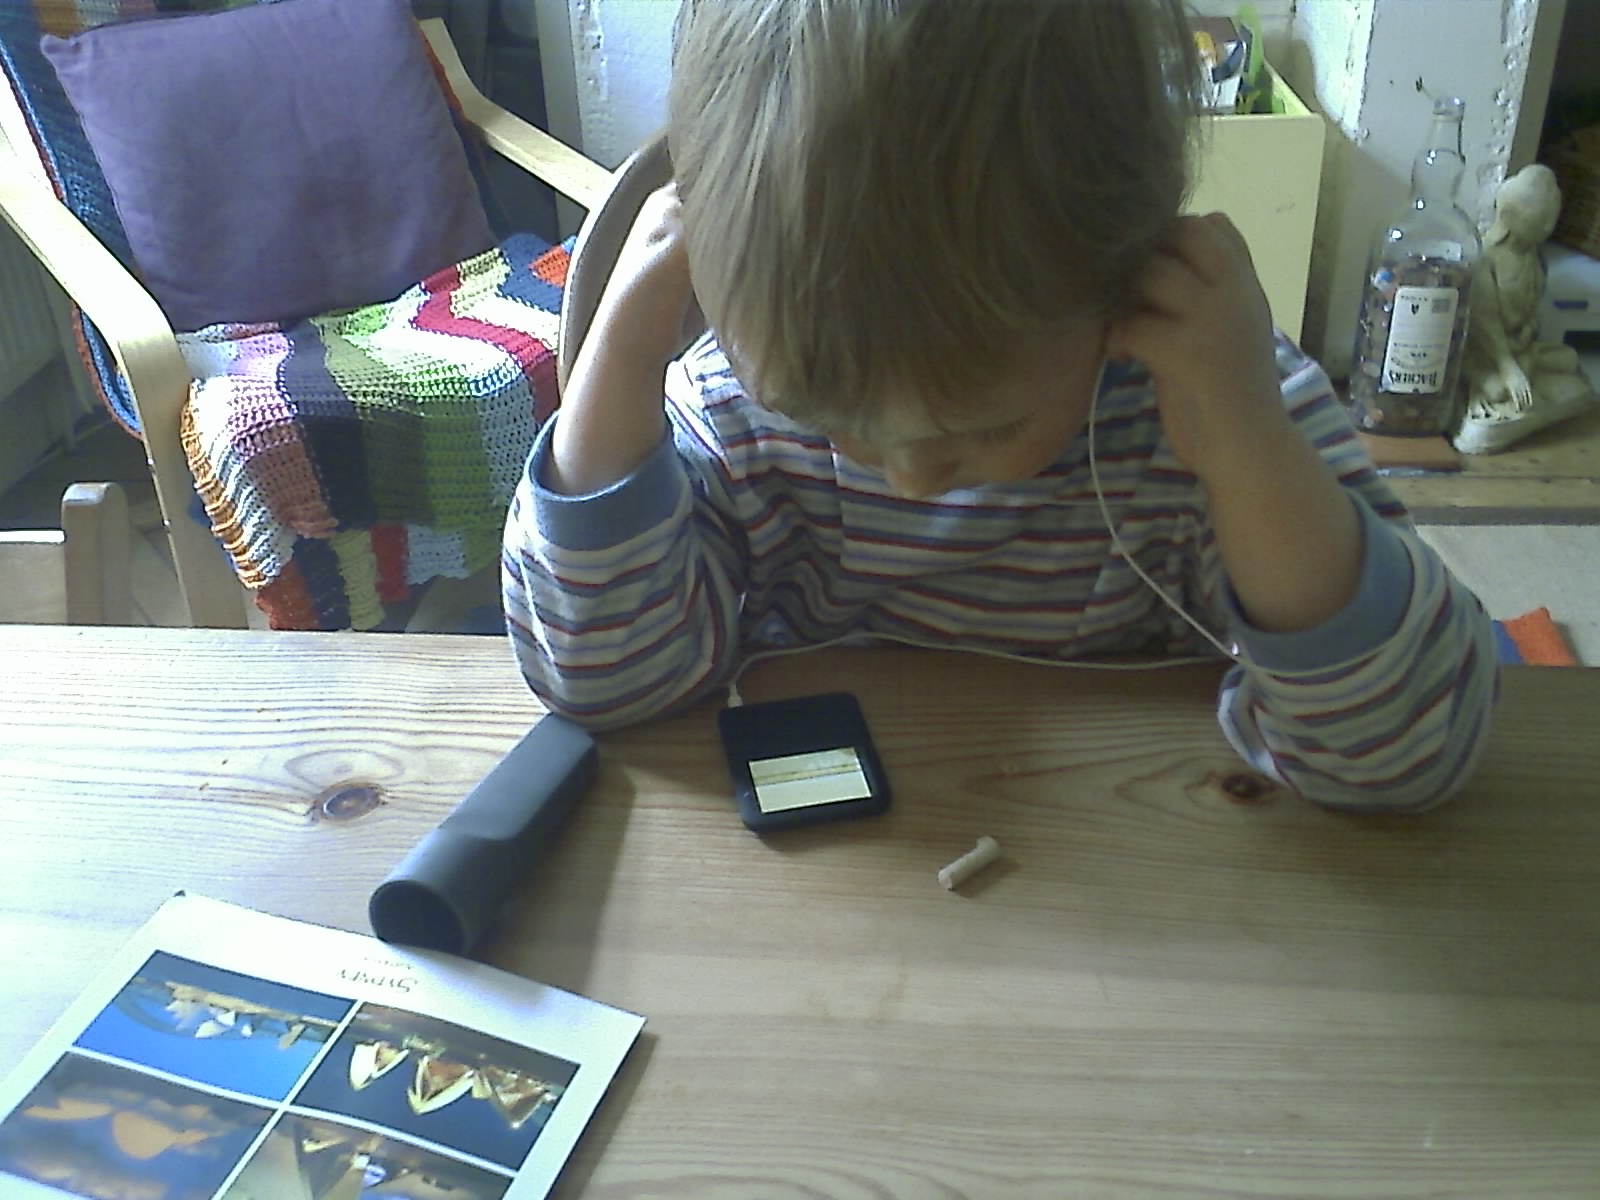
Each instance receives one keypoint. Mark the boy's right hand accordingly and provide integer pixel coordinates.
(611, 414)
(649, 296)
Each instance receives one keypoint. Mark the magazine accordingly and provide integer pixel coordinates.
(230, 1055)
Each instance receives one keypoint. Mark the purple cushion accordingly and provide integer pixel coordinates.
(275, 161)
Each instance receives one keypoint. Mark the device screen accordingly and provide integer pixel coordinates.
(802, 780)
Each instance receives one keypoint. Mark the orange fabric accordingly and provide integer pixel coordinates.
(1539, 641)
(551, 266)
(287, 601)
(389, 548)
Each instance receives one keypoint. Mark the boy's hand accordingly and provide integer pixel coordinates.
(612, 414)
(1204, 330)
(647, 301)
(1290, 539)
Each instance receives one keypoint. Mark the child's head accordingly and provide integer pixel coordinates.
(893, 201)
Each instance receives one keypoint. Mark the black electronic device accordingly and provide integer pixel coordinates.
(802, 762)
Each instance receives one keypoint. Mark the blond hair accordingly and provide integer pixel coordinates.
(885, 196)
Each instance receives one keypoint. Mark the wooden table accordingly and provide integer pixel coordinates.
(1166, 989)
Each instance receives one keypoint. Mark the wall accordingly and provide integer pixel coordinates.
(622, 56)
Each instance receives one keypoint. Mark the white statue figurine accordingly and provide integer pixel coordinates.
(1516, 384)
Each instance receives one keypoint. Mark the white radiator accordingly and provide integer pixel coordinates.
(29, 333)
(39, 408)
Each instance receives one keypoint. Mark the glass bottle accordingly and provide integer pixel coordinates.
(1405, 376)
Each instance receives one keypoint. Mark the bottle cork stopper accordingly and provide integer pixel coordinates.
(969, 864)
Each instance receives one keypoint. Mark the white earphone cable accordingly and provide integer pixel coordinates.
(1116, 538)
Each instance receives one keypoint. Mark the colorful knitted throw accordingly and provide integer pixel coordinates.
(345, 458)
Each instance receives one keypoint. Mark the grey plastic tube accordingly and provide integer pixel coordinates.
(447, 892)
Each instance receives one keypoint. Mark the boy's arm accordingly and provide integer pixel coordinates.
(624, 603)
(1385, 705)
(1289, 539)
(1368, 671)
(621, 580)
(611, 412)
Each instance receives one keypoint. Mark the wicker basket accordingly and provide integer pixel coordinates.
(1576, 163)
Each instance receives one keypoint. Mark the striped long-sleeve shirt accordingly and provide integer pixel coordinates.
(744, 530)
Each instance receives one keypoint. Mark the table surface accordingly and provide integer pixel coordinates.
(1174, 983)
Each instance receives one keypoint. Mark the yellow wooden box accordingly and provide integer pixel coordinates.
(1265, 172)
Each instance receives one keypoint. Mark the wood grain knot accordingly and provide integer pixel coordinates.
(1243, 787)
(347, 801)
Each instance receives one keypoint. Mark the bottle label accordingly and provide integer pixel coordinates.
(1419, 340)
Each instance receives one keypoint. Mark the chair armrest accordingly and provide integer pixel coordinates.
(142, 342)
(546, 158)
(94, 517)
(78, 572)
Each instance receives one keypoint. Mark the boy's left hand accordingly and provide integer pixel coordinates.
(1204, 330)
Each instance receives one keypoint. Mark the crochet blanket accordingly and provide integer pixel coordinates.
(345, 459)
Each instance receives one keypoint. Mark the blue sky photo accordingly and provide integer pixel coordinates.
(246, 1057)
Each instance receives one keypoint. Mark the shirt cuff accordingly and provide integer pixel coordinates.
(1371, 618)
(612, 515)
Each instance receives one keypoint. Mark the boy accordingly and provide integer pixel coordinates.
(933, 238)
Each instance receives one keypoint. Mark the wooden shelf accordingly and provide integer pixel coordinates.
(1552, 478)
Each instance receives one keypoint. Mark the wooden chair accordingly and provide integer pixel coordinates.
(76, 575)
(142, 342)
